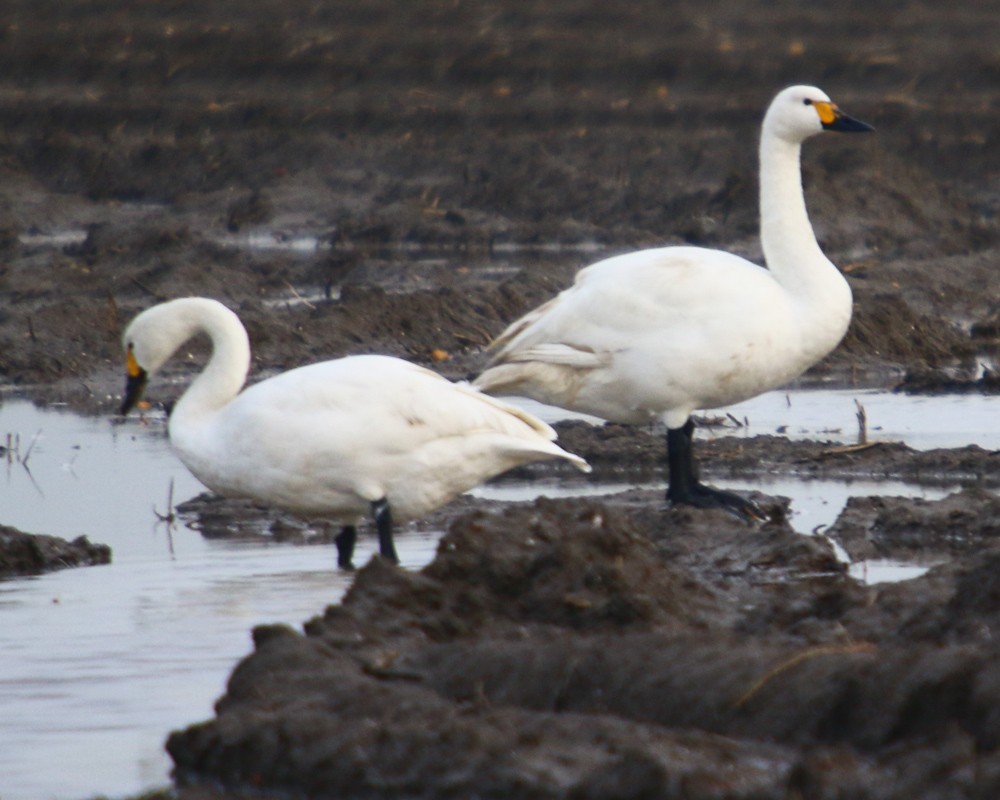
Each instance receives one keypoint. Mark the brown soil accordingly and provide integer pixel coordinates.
(420, 142)
(27, 554)
(438, 150)
(583, 649)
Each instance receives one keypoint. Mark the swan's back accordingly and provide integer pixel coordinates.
(614, 300)
(333, 437)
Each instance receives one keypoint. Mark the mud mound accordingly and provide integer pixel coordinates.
(32, 554)
(958, 600)
(552, 651)
(907, 528)
(520, 567)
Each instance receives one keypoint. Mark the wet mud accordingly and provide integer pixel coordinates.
(32, 554)
(591, 649)
(427, 149)
(407, 178)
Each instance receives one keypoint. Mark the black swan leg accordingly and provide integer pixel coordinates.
(345, 547)
(383, 523)
(684, 488)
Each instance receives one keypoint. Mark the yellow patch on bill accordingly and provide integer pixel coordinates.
(827, 111)
(131, 365)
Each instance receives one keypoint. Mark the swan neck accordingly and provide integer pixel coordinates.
(786, 235)
(226, 372)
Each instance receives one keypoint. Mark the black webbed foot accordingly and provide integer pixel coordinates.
(701, 496)
(685, 488)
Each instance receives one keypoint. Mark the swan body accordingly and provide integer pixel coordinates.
(659, 333)
(336, 439)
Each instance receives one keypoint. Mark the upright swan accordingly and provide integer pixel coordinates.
(336, 439)
(660, 333)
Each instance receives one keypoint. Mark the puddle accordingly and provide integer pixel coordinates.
(37, 238)
(815, 503)
(883, 570)
(300, 243)
(309, 244)
(294, 298)
(99, 664)
(923, 422)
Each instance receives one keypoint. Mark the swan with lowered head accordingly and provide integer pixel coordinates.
(657, 334)
(337, 439)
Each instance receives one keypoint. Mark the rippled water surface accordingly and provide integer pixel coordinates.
(98, 665)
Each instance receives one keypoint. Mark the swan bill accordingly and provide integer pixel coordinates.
(834, 119)
(135, 383)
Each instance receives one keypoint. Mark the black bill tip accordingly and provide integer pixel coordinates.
(135, 385)
(845, 124)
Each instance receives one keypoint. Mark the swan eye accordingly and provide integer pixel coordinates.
(807, 102)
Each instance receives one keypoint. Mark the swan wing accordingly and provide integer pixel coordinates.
(355, 430)
(674, 291)
(670, 329)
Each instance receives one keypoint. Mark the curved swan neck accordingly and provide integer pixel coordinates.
(786, 234)
(226, 372)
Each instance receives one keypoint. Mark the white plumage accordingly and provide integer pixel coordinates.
(335, 439)
(657, 334)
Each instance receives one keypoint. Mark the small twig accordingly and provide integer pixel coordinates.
(299, 297)
(114, 322)
(862, 423)
(31, 446)
(169, 517)
(798, 658)
(480, 339)
(146, 289)
(849, 448)
(477, 335)
(33, 481)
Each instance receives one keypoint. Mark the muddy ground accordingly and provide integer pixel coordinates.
(412, 167)
(30, 554)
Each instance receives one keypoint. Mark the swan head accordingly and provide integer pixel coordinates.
(154, 336)
(799, 112)
(146, 350)
(136, 379)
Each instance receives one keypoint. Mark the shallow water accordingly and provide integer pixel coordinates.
(97, 665)
(922, 422)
